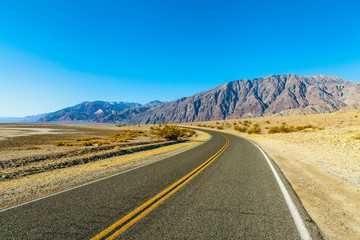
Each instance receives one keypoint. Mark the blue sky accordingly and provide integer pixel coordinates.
(55, 54)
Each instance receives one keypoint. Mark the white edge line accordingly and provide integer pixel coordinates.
(304, 233)
(98, 180)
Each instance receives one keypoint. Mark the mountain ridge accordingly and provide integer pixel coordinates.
(98, 111)
(282, 94)
(274, 94)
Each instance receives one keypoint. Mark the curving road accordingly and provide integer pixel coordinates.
(225, 188)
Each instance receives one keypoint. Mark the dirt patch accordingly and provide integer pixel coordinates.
(331, 201)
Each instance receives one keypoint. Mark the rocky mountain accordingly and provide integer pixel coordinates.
(99, 111)
(276, 94)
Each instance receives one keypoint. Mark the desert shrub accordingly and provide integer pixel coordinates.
(117, 148)
(220, 127)
(58, 144)
(171, 132)
(85, 139)
(127, 135)
(240, 129)
(30, 148)
(267, 122)
(254, 129)
(356, 116)
(273, 130)
(87, 143)
(299, 128)
(288, 129)
(247, 122)
(217, 123)
(356, 136)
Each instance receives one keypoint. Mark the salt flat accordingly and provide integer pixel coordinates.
(8, 132)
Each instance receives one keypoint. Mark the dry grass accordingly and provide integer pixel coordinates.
(30, 148)
(123, 136)
(171, 132)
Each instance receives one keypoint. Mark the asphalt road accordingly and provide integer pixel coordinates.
(234, 195)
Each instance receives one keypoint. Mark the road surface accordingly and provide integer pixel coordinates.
(222, 189)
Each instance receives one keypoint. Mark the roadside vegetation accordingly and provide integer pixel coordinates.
(171, 132)
(122, 136)
(289, 129)
(258, 126)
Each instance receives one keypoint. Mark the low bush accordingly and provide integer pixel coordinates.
(247, 122)
(240, 129)
(285, 129)
(85, 139)
(254, 129)
(30, 148)
(220, 127)
(171, 132)
(356, 136)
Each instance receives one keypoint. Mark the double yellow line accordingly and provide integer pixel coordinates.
(120, 226)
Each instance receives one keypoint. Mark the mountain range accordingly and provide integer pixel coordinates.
(276, 94)
(99, 111)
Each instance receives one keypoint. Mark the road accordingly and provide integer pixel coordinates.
(223, 189)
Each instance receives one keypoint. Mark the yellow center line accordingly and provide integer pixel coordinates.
(124, 223)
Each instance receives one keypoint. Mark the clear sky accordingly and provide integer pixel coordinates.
(55, 54)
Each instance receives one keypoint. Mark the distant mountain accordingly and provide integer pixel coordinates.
(276, 94)
(27, 119)
(153, 104)
(98, 111)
